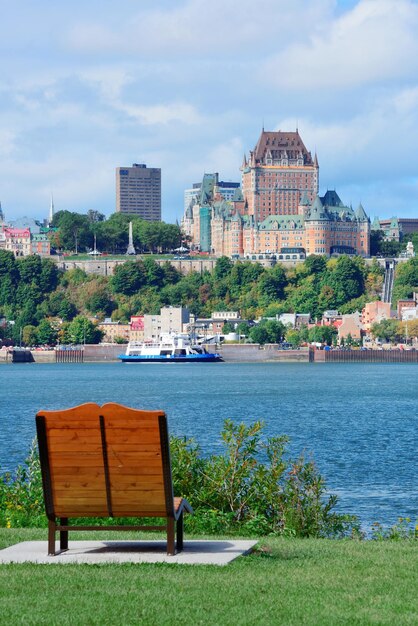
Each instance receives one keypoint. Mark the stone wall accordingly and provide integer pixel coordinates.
(253, 352)
(105, 267)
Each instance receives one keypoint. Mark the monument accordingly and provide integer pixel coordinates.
(131, 249)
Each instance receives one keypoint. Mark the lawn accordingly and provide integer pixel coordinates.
(286, 581)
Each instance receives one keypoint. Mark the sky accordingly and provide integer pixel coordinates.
(187, 85)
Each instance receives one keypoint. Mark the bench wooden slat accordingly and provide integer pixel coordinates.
(107, 461)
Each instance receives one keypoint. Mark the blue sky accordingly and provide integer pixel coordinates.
(186, 86)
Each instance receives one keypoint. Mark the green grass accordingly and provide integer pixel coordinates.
(287, 581)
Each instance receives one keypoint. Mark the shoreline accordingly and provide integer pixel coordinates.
(231, 353)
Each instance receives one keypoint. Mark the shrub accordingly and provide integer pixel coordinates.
(254, 488)
(251, 488)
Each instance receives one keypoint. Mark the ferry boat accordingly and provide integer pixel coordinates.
(170, 349)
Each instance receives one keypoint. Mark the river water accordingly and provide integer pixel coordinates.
(359, 421)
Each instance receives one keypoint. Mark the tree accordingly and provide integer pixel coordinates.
(100, 302)
(322, 334)
(267, 331)
(67, 310)
(30, 268)
(154, 273)
(409, 329)
(272, 284)
(49, 277)
(293, 337)
(376, 240)
(259, 334)
(81, 330)
(223, 267)
(47, 334)
(315, 264)
(95, 216)
(346, 280)
(74, 230)
(29, 335)
(388, 331)
(129, 277)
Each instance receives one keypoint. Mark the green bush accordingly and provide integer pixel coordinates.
(252, 488)
(21, 495)
(255, 488)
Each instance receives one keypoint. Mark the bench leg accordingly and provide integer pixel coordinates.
(51, 537)
(180, 533)
(170, 537)
(64, 534)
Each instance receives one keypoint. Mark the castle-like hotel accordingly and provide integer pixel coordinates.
(277, 210)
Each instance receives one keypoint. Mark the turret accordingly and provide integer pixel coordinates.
(361, 214)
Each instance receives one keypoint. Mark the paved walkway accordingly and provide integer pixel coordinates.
(94, 552)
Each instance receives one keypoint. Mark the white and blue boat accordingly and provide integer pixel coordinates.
(170, 349)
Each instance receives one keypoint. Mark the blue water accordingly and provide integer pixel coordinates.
(359, 421)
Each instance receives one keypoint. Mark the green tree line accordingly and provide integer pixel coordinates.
(76, 233)
(44, 302)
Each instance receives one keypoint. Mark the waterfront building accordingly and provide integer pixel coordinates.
(174, 319)
(136, 328)
(171, 319)
(138, 191)
(277, 174)
(351, 325)
(404, 305)
(113, 330)
(409, 314)
(295, 320)
(375, 312)
(278, 211)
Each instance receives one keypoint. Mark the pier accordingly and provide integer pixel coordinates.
(363, 356)
(69, 354)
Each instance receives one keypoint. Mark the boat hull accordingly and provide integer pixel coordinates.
(170, 358)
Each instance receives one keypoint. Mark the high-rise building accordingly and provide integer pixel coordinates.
(278, 174)
(138, 191)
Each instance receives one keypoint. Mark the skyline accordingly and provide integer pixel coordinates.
(187, 86)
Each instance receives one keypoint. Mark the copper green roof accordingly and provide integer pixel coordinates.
(282, 222)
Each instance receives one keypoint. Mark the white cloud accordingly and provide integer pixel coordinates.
(111, 80)
(7, 142)
(225, 158)
(161, 113)
(374, 41)
(198, 28)
(373, 148)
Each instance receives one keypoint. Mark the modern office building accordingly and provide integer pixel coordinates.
(138, 191)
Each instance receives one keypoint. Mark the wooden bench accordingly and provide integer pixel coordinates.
(109, 461)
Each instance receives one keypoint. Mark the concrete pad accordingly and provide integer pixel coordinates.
(205, 552)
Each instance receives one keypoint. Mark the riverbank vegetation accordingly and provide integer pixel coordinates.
(42, 305)
(251, 488)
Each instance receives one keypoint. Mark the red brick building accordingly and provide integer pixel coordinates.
(278, 174)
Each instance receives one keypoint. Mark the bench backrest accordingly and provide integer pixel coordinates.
(105, 461)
